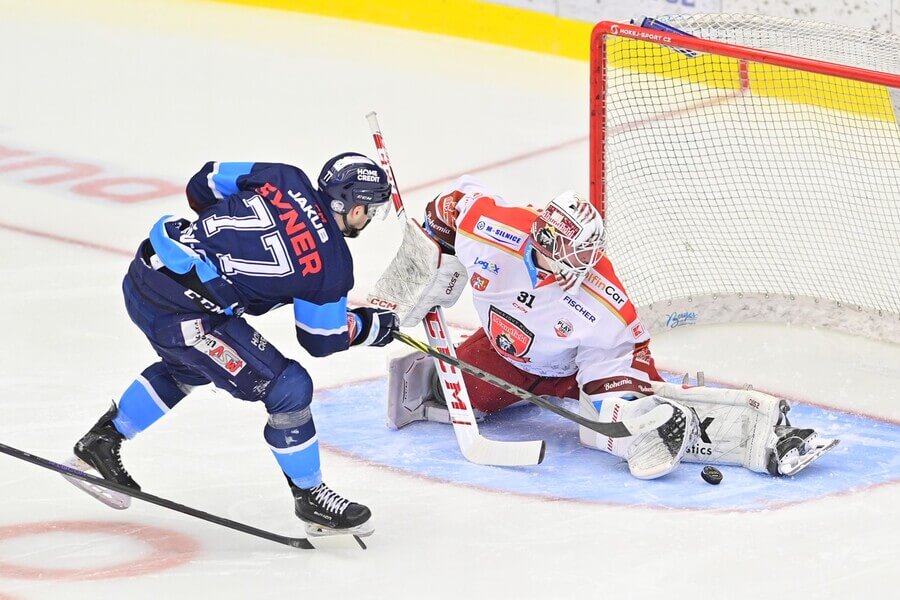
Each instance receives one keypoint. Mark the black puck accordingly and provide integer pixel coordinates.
(711, 475)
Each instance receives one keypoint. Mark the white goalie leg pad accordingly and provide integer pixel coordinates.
(651, 454)
(410, 394)
(419, 278)
(737, 427)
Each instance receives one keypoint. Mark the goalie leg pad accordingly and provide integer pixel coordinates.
(747, 428)
(411, 391)
(737, 427)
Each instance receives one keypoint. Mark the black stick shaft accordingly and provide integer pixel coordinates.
(187, 510)
(608, 429)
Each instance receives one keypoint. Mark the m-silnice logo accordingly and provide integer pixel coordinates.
(493, 230)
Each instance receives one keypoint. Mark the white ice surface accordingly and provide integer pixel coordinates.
(155, 89)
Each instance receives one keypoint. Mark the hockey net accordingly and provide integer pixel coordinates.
(751, 172)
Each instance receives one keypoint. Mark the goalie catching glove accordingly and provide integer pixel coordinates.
(419, 278)
(651, 454)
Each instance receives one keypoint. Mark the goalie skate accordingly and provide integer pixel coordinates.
(796, 449)
(108, 497)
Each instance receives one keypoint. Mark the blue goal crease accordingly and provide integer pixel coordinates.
(351, 419)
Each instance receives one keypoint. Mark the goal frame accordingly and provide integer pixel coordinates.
(721, 308)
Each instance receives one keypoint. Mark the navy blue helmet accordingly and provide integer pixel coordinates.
(350, 179)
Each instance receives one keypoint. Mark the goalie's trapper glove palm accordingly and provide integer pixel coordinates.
(375, 326)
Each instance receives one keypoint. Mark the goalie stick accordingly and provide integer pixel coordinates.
(651, 420)
(474, 447)
(67, 471)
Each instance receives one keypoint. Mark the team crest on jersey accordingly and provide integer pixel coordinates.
(563, 328)
(509, 336)
(478, 282)
(223, 354)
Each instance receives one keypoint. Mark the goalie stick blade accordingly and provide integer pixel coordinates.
(68, 471)
(484, 451)
(106, 496)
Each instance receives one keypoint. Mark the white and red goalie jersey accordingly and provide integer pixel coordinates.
(557, 341)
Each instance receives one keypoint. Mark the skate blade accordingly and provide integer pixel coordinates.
(108, 497)
(316, 530)
(808, 458)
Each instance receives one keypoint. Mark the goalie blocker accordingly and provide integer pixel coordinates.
(420, 277)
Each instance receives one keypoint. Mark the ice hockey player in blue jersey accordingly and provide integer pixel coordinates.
(264, 237)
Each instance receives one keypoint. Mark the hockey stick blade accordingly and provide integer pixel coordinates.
(71, 472)
(653, 419)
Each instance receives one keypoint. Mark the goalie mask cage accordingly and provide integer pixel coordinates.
(751, 172)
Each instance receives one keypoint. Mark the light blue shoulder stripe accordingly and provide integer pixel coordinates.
(529, 264)
(321, 319)
(178, 257)
(223, 179)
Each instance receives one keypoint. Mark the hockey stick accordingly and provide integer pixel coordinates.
(475, 447)
(66, 471)
(651, 420)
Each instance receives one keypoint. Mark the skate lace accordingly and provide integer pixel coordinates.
(118, 457)
(329, 499)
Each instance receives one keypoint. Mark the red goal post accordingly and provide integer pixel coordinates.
(757, 180)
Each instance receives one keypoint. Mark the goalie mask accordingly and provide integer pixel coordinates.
(352, 179)
(569, 233)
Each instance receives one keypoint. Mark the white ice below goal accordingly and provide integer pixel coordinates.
(751, 173)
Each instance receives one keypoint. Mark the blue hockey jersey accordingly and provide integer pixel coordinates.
(264, 238)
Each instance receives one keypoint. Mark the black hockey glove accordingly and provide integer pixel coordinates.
(378, 325)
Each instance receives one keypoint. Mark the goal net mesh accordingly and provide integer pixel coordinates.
(724, 176)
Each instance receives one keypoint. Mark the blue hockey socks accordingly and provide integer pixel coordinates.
(147, 399)
(292, 439)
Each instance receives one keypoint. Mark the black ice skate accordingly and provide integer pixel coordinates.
(326, 513)
(98, 451)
